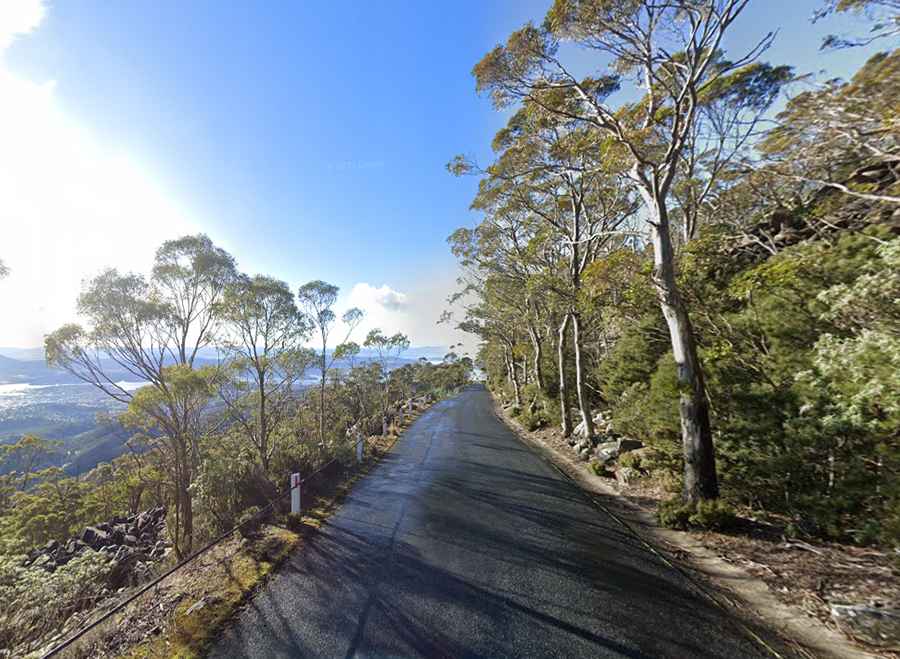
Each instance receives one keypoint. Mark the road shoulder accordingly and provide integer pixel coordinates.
(746, 597)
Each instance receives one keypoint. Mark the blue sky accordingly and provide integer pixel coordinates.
(308, 138)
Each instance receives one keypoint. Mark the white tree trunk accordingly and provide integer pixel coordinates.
(700, 480)
(583, 405)
(563, 392)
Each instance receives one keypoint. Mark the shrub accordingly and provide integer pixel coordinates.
(600, 470)
(534, 420)
(44, 600)
(250, 522)
(294, 521)
(710, 515)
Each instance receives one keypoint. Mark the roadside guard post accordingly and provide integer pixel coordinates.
(359, 448)
(295, 493)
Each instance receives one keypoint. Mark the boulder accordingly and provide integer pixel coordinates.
(606, 451)
(877, 626)
(624, 445)
(626, 475)
(95, 537)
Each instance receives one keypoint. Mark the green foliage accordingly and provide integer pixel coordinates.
(294, 522)
(250, 522)
(712, 515)
(44, 600)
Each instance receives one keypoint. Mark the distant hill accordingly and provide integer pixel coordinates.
(18, 371)
(27, 365)
(24, 354)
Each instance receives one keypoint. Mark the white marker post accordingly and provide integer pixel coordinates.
(295, 493)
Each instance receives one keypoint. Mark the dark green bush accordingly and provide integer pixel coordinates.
(294, 521)
(250, 522)
(711, 515)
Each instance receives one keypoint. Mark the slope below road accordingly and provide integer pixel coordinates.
(464, 542)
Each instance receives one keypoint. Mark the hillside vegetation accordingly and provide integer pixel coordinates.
(210, 444)
(694, 270)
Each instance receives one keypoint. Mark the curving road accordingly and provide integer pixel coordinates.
(463, 542)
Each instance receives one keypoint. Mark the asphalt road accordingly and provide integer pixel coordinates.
(463, 542)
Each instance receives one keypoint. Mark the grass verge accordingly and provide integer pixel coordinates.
(196, 606)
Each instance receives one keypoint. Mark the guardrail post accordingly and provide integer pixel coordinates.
(295, 493)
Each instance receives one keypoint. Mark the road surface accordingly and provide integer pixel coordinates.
(463, 542)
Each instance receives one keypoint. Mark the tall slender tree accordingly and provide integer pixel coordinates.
(317, 299)
(670, 51)
(153, 330)
(264, 343)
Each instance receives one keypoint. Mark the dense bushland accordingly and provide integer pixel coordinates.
(214, 441)
(721, 281)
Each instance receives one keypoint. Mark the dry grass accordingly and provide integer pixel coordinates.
(184, 613)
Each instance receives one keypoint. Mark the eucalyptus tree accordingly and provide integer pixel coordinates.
(264, 342)
(884, 16)
(826, 134)
(506, 245)
(317, 299)
(552, 168)
(152, 330)
(386, 348)
(730, 120)
(669, 52)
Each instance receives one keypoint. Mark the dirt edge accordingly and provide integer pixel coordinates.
(749, 598)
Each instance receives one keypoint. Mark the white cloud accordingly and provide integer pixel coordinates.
(370, 299)
(69, 206)
(19, 17)
(414, 312)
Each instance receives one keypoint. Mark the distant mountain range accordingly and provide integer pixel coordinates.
(27, 365)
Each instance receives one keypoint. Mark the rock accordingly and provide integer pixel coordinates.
(624, 445)
(94, 537)
(196, 606)
(606, 451)
(626, 475)
(585, 454)
(874, 625)
(51, 546)
(130, 540)
(144, 519)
